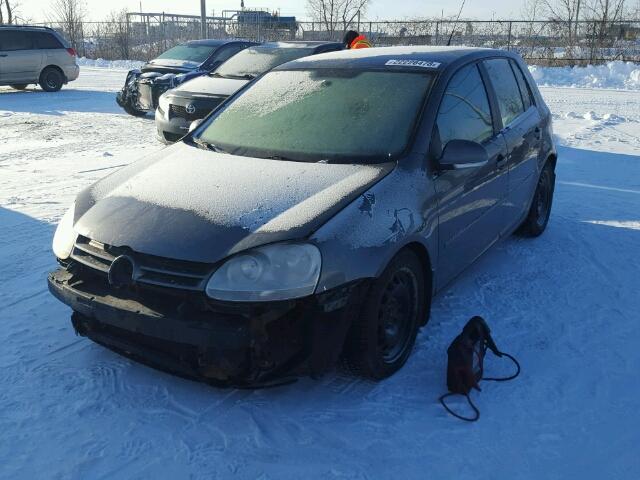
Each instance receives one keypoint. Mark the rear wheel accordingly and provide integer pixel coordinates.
(538, 217)
(19, 87)
(51, 79)
(383, 336)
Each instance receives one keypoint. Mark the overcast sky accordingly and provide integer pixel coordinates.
(38, 10)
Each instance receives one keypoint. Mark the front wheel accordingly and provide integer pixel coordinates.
(383, 336)
(538, 216)
(51, 79)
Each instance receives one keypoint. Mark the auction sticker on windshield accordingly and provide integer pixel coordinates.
(414, 63)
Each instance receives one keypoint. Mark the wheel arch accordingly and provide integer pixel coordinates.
(56, 67)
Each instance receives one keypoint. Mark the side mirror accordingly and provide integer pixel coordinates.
(461, 154)
(195, 124)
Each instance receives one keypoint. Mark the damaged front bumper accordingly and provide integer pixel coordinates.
(224, 344)
(142, 91)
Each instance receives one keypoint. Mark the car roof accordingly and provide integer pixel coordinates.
(215, 43)
(299, 44)
(410, 58)
(35, 28)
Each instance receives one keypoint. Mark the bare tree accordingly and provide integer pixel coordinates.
(566, 13)
(69, 14)
(336, 16)
(11, 8)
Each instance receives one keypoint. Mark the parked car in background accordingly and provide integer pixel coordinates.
(195, 99)
(35, 55)
(313, 214)
(143, 87)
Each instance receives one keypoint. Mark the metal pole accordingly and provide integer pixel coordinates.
(203, 18)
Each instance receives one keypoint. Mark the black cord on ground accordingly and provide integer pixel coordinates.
(492, 379)
(466, 419)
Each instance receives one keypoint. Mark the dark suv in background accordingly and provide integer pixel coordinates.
(195, 99)
(175, 66)
(39, 55)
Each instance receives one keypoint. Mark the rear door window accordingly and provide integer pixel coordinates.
(506, 88)
(464, 112)
(44, 40)
(525, 91)
(14, 40)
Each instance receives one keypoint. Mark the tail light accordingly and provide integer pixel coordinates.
(72, 52)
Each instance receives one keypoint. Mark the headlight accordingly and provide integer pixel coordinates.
(273, 272)
(163, 102)
(65, 236)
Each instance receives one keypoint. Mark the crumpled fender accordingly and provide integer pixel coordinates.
(129, 90)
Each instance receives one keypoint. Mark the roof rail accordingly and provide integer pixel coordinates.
(10, 25)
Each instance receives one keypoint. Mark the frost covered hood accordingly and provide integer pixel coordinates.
(192, 204)
(208, 85)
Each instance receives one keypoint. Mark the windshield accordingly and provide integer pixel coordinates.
(188, 53)
(255, 61)
(321, 115)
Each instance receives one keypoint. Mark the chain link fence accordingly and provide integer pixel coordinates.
(143, 37)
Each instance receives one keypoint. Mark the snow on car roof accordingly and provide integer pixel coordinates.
(419, 57)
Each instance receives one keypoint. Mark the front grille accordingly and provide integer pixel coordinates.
(148, 269)
(203, 108)
(181, 112)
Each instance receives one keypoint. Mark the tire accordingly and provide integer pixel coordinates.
(131, 110)
(19, 87)
(51, 79)
(538, 217)
(382, 337)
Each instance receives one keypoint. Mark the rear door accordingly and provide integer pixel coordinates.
(469, 200)
(21, 62)
(521, 127)
(53, 52)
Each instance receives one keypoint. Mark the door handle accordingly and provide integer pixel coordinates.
(3, 55)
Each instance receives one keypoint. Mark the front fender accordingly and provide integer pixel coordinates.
(359, 241)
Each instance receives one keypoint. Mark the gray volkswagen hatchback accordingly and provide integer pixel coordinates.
(312, 216)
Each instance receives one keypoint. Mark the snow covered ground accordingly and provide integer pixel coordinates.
(566, 304)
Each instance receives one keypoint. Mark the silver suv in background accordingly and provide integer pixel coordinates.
(39, 55)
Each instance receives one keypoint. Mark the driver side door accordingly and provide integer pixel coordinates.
(469, 200)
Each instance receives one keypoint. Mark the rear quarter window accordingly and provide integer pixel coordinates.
(44, 40)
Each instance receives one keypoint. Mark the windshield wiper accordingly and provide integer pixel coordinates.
(246, 76)
(208, 146)
(280, 157)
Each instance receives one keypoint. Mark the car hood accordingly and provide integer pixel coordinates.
(196, 205)
(165, 63)
(208, 85)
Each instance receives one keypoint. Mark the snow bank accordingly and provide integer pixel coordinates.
(618, 75)
(112, 64)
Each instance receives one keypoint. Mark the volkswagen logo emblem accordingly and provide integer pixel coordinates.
(121, 271)
(190, 108)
